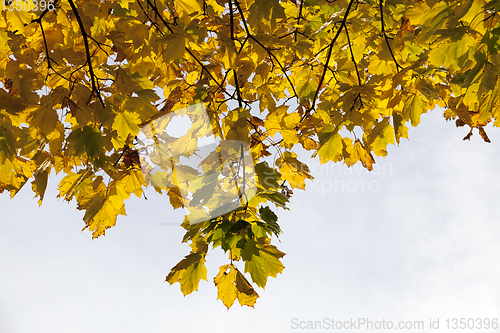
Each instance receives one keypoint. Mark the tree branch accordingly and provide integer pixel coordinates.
(39, 19)
(398, 66)
(271, 55)
(150, 19)
(231, 19)
(352, 55)
(238, 92)
(328, 57)
(158, 14)
(298, 18)
(47, 54)
(95, 85)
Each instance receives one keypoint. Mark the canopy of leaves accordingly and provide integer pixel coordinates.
(339, 78)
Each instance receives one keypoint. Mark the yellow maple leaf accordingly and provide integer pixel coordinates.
(294, 171)
(174, 46)
(232, 285)
(188, 272)
(18, 17)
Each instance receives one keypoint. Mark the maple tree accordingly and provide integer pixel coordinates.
(340, 78)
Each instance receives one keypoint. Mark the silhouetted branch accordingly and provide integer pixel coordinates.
(398, 66)
(238, 92)
(271, 55)
(160, 16)
(95, 87)
(352, 55)
(328, 57)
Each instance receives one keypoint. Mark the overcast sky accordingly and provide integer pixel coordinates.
(415, 239)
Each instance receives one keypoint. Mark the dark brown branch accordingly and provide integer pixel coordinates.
(300, 11)
(95, 87)
(298, 18)
(398, 66)
(256, 129)
(352, 55)
(231, 23)
(295, 32)
(271, 55)
(158, 14)
(333, 73)
(49, 65)
(242, 45)
(47, 54)
(328, 57)
(238, 92)
(358, 96)
(320, 51)
(225, 76)
(99, 45)
(150, 19)
(50, 60)
(39, 19)
(231, 19)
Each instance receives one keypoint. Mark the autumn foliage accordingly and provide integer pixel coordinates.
(339, 78)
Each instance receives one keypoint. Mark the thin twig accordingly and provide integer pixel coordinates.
(328, 57)
(95, 87)
(158, 14)
(238, 92)
(398, 66)
(352, 55)
(271, 55)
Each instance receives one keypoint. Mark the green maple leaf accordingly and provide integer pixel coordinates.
(88, 140)
(266, 263)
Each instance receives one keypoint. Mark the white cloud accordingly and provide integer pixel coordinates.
(423, 245)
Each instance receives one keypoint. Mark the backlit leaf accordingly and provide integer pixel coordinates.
(126, 123)
(120, 95)
(173, 46)
(413, 109)
(266, 263)
(188, 272)
(232, 285)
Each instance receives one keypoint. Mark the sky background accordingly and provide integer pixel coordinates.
(418, 241)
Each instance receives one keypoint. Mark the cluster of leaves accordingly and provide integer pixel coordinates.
(340, 78)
